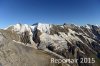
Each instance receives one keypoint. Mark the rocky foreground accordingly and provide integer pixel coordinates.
(25, 45)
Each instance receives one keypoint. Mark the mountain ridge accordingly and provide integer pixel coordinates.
(63, 41)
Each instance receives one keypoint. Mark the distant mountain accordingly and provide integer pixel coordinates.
(61, 41)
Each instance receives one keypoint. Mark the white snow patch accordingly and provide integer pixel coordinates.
(97, 25)
(33, 27)
(45, 28)
(21, 28)
(87, 26)
(71, 31)
(70, 37)
(62, 26)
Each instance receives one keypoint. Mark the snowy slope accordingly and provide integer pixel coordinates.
(24, 27)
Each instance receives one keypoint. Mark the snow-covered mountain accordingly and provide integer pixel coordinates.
(63, 41)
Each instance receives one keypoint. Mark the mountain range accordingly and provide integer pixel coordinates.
(35, 45)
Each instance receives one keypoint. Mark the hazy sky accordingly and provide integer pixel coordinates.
(79, 12)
